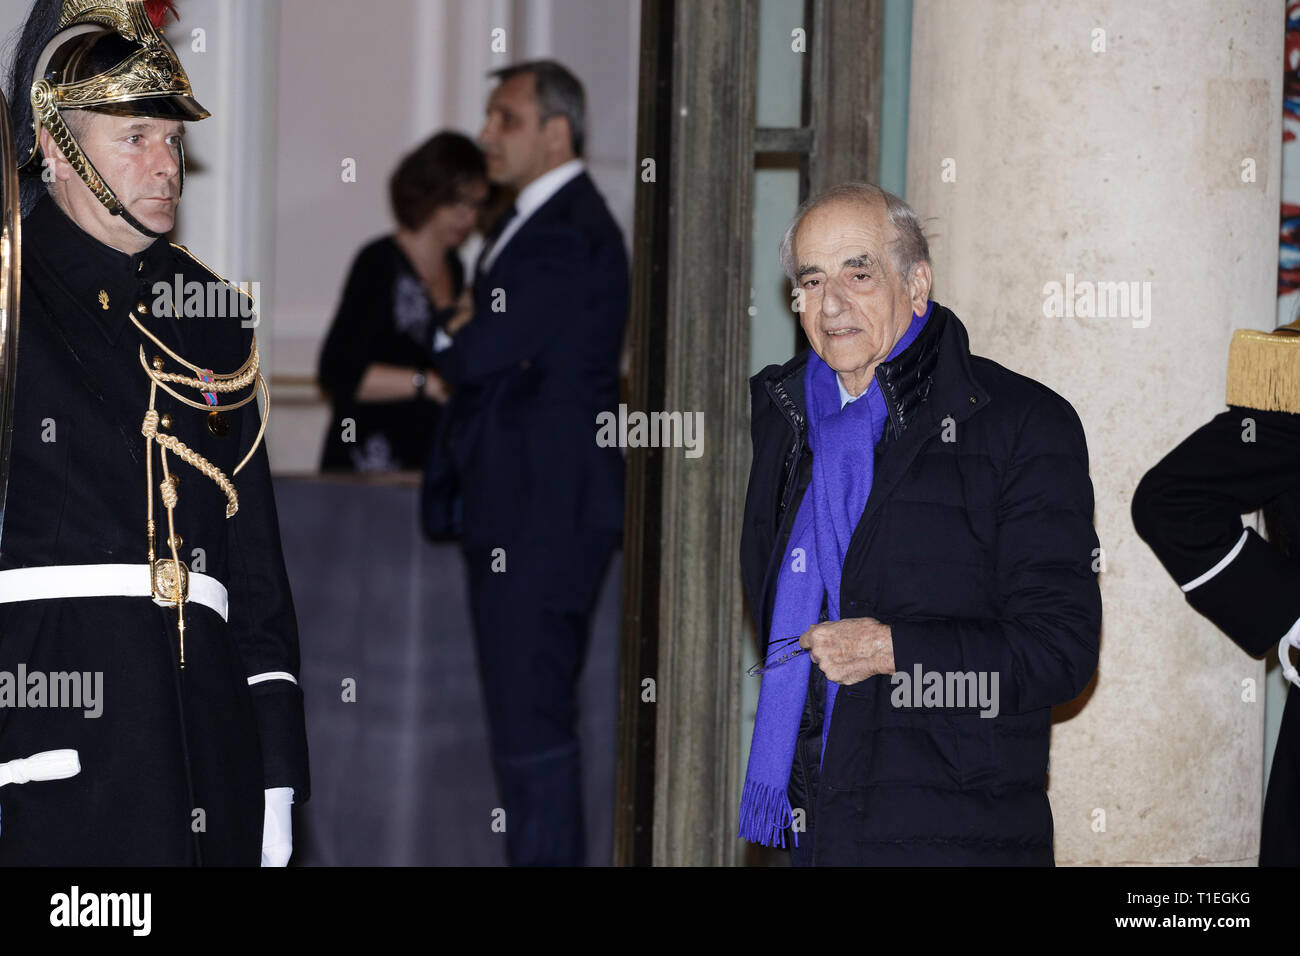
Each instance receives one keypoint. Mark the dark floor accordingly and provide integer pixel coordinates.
(401, 774)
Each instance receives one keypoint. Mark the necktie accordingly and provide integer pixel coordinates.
(491, 240)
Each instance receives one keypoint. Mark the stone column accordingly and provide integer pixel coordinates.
(1082, 142)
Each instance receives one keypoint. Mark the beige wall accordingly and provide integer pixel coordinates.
(1118, 165)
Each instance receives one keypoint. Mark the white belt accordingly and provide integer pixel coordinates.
(103, 580)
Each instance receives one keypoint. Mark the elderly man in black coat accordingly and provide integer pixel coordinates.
(919, 556)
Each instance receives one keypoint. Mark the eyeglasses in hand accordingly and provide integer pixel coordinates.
(762, 667)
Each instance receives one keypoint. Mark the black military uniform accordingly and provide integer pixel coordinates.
(1188, 509)
(175, 768)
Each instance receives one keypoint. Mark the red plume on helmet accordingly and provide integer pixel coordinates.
(158, 10)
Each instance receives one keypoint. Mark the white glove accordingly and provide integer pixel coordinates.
(1284, 646)
(47, 765)
(277, 829)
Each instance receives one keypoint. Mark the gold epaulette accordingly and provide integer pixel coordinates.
(212, 272)
(1264, 369)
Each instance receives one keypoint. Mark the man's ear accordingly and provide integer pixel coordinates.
(53, 158)
(918, 286)
(558, 136)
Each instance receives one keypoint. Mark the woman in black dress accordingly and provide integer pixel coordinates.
(374, 365)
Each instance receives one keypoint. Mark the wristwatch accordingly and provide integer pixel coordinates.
(418, 380)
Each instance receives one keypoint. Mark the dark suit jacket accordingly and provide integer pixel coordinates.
(533, 369)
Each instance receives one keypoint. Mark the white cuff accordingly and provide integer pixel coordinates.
(1223, 563)
(272, 675)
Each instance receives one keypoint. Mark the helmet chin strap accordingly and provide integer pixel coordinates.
(134, 223)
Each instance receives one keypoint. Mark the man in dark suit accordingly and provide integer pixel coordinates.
(543, 503)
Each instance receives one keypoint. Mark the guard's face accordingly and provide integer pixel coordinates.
(139, 157)
(512, 138)
(855, 304)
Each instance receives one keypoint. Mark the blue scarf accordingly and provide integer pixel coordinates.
(843, 443)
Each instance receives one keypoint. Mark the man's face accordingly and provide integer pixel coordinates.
(139, 157)
(515, 143)
(855, 304)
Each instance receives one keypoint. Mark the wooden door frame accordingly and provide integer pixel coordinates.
(684, 643)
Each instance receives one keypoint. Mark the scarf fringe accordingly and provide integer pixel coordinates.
(765, 815)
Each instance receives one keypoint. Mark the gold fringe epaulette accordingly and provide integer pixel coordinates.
(1264, 369)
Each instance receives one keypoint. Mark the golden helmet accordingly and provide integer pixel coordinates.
(108, 56)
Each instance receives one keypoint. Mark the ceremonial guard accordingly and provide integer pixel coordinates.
(1188, 508)
(139, 545)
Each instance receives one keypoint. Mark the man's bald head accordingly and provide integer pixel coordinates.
(909, 247)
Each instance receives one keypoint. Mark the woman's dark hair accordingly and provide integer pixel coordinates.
(433, 175)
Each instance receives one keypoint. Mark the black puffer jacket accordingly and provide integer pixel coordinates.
(977, 548)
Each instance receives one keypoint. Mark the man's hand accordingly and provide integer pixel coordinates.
(852, 650)
(464, 313)
(435, 387)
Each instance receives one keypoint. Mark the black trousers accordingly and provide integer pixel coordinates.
(531, 603)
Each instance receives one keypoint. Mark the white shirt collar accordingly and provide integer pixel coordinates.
(845, 397)
(531, 198)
